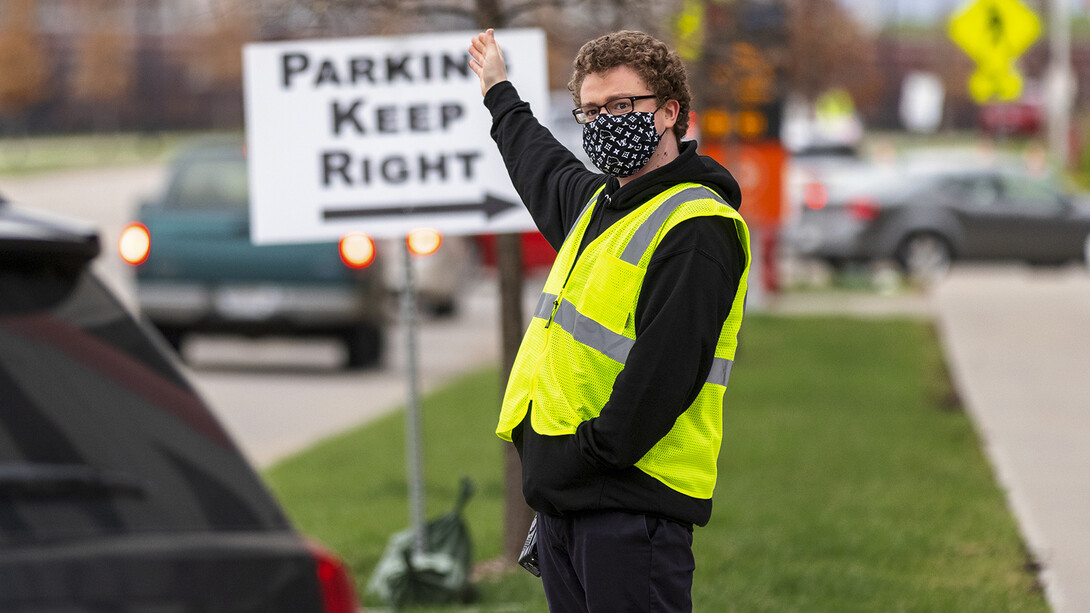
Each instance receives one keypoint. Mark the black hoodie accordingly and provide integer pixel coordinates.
(687, 293)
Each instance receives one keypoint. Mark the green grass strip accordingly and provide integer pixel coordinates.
(850, 480)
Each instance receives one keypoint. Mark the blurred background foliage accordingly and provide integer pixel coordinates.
(151, 66)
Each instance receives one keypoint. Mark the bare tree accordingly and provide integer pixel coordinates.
(356, 17)
(24, 68)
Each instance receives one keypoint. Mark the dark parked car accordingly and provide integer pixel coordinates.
(197, 271)
(926, 218)
(119, 491)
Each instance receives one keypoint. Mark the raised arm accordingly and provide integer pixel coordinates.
(488, 61)
(550, 179)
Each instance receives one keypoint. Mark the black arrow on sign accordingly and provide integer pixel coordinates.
(491, 206)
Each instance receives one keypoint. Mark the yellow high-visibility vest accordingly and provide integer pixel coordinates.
(584, 326)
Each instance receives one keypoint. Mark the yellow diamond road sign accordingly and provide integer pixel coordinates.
(994, 33)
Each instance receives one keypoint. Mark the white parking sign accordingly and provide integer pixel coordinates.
(380, 135)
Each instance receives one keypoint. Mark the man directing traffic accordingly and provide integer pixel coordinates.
(615, 399)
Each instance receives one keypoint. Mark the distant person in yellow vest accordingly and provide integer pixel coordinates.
(615, 400)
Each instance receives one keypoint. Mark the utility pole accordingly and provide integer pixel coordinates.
(1060, 82)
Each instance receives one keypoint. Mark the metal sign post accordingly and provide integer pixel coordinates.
(414, 445)
(1061, 82)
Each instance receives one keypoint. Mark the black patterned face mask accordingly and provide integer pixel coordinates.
(620, 145)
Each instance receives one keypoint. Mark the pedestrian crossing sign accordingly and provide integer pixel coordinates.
(995, 33)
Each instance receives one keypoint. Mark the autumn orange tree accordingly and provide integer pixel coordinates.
(213, 57)
(102, 73)
(24, 65)
(826, 49)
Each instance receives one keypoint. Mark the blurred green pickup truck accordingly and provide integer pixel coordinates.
(197, 271)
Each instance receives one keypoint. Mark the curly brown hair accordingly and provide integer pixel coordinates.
(659, 67)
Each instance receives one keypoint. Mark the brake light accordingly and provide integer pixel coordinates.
(135, 243)
(864, 209)
(815, 195)
(424, 241)
(357, 250)
(338, 593)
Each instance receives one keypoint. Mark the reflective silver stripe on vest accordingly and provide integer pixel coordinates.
(641, 240)
(586, 208)
(596, 336)
(720, 372)
(583, 213)
(592, 334)
(544, 306)
(610, 344)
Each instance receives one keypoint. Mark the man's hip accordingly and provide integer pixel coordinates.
(615, 561)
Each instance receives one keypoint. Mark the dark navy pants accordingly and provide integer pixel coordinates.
(615, 562)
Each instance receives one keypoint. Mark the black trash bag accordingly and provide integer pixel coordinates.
(440, 575)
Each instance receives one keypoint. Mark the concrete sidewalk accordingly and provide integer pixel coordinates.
(1018, 344)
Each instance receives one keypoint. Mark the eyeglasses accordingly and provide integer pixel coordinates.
(618, 106)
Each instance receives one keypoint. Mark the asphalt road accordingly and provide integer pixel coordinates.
(276, 396)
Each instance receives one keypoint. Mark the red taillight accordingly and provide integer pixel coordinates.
(134, 244)
(864, 209)
(424, 241)
(815, 195)
(338, 593)
(357, 250)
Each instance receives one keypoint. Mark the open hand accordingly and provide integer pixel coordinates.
(487, 60)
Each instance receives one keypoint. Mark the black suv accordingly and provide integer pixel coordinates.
(119, 491)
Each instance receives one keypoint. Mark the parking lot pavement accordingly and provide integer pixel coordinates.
(1018, 344)
(280, 396)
